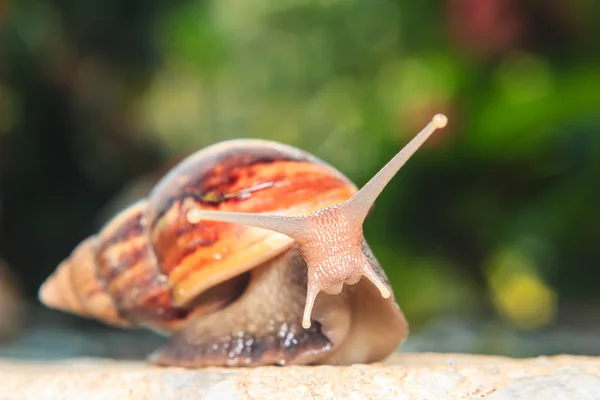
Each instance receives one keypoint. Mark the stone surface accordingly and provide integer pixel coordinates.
(403, 376)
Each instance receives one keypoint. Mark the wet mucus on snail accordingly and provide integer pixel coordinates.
(246, 253)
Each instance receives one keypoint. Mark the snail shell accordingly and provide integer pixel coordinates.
(233, 294)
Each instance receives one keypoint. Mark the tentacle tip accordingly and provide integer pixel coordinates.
(440, 121)
(306, 324)
(194, 216)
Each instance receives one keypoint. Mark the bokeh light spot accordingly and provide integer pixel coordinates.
(524, 77)
(518, 292)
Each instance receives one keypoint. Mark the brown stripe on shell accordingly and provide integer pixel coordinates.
(205, 174)
(182, 240)
(127, 267)
(75, 288)
(243, 175)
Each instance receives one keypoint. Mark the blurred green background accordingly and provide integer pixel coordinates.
(490, 234)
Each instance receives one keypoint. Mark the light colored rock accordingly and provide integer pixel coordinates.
(403, 376)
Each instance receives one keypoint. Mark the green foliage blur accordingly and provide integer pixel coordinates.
(495, 217)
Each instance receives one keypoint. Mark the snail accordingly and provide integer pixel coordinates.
(246, 253)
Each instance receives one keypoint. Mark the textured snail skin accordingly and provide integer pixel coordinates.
(226, 294)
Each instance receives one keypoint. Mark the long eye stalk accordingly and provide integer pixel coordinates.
(359, 205)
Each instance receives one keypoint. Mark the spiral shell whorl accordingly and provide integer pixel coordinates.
(75, 288)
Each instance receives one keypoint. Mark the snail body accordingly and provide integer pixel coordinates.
(227, 254)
